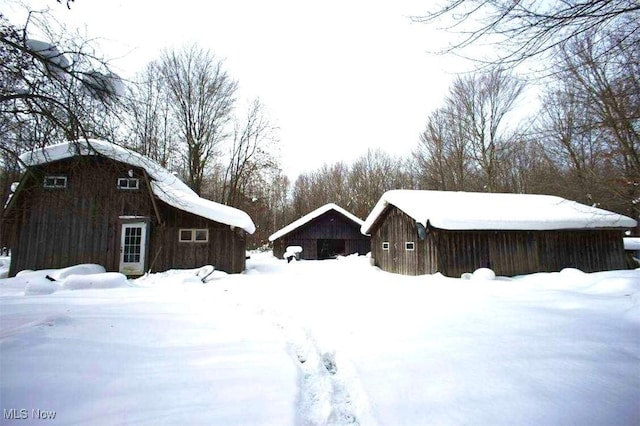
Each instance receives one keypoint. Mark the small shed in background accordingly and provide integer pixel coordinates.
(324, 233)
(424, 232)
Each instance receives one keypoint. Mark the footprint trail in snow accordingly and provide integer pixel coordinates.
(330, 392)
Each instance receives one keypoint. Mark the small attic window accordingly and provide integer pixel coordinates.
(55, 182)
(409, 246)
(128, 183)
(385, 245)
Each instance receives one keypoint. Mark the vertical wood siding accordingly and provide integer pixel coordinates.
(397, 228)
(225, 248)
(330, 225)
(508, 253)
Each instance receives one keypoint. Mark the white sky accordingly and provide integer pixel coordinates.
(336, 76)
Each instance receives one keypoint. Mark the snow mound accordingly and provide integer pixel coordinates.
(40, 285)
(292, 252)
(174, 277)
(350, 257)
(615, 286)
(85, 276)
(61, 274)
(93, 281)
(485, 274)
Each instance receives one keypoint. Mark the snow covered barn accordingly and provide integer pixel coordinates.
(95, 202)
(423, 232)
(324, 233)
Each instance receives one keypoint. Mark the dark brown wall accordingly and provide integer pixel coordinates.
(508, 253)
(226, 248)
(330, 225)
(53, 228)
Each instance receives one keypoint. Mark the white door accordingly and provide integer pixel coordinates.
(132, 248)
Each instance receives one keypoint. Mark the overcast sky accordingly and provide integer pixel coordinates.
(336, 76)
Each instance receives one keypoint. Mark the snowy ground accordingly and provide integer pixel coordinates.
(320, 342)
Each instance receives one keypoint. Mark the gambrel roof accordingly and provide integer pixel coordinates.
(310, 216)
(495, 211)
(164, 184)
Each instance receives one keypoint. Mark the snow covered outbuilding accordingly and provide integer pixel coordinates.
(324, 233)
(423, 232)
(95, 202)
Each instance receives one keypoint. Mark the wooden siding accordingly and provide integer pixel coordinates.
(511, 253)
(54, 228)
(225, 248)
(396, 228)
(331, 226)
(507, 252)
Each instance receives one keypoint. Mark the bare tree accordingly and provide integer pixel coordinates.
(485, 100)
(530, 28)
(303, 199)
(150, 123)
(202, 98)
(589, 121)
(443, 156)
(251, 154)
(469, 136)
(356, 187)
(57, 88)
(370, 176)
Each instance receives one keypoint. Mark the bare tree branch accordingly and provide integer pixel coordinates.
(529, 28)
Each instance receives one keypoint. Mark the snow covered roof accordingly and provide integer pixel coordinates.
(479, 210)
(632, 243)
(310, 216)
(165, 185)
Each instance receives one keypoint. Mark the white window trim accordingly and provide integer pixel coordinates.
(385, 245)
(55, 184)
(193, 232)
(128, 181)
(408, 244)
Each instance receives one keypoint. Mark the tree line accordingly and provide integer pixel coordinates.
(581, 142)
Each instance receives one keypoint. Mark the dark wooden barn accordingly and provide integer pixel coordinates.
(424, 232)
(324, 233)
(95, 202)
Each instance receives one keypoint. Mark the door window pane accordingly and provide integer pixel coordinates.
(132, 244)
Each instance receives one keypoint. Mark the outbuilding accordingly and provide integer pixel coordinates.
(423, 232)
(95, 202)
(324, 233)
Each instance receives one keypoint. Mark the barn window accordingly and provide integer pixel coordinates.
(385, 245)
(409, 246)
(194, 235)
(55, 182)
(128, 183)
